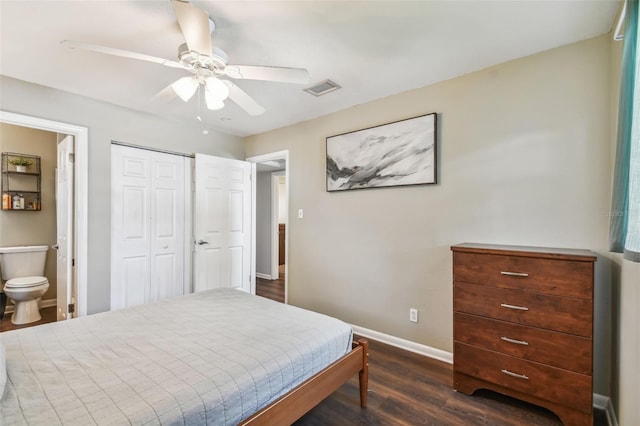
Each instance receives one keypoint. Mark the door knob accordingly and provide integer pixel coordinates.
(55, 247)
(202, 242)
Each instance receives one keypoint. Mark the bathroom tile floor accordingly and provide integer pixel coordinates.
(48, 315)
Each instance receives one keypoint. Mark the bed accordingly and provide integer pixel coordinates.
(220, 357)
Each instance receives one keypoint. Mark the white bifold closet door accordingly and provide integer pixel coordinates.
(149, 199)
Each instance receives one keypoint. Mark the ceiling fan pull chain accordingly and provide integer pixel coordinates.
(201, 111)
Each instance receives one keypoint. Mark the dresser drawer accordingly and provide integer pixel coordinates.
(550, 276)
(567, 315)
(547, 347)
(545, 382)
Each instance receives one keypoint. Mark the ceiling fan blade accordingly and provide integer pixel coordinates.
(194, 24)
(280, 74)
(122, 53)
(243, 100)
(165, 94)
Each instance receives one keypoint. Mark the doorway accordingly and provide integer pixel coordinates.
(77, 216)
(271, 234)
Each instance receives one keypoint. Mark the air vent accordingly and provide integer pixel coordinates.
(322, 88)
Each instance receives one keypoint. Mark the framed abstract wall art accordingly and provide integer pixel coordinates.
(395, 154)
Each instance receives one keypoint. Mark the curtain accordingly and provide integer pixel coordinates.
(624, 230)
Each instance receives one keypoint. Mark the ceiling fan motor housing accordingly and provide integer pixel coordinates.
(215, 62)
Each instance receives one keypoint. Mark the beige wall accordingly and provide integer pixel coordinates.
(524, 158)
(263, 223)
(19, 228)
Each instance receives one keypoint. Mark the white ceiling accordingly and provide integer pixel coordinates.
(371, 48)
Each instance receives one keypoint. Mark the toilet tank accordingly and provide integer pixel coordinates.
(22, 261)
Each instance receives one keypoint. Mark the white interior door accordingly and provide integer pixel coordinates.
(222, 223)
(167, 230)
(147, 234)
(64, 227)
(130, 226)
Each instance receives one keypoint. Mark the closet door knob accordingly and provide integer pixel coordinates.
(202, 242)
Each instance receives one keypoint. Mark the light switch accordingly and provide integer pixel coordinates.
(300, 213)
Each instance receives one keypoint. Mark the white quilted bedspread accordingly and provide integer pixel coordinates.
(214, 358)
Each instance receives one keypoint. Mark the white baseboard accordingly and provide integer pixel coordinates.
(43, 304)
(600, 402)
(263, 276)
(404, 344)
(48, 303)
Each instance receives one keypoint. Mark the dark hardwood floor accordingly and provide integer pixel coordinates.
(411, 389)
(272, 289)
(47, 314)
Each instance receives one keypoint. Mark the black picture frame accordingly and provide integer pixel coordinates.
(399, 153)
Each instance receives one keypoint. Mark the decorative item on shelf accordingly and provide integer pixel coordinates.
(6, 201)
(18, 202)
(21, 164)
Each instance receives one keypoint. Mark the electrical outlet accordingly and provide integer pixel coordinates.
(413, 315)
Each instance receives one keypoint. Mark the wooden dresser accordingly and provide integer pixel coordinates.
(523, 325)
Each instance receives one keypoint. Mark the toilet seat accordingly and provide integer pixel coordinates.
(25, 282)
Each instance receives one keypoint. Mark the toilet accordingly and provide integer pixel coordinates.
(23, 269)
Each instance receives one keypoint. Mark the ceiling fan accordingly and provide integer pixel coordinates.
(207, 63)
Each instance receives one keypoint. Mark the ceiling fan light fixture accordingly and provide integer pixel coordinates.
(185, 87)
(216, 89)
(213, 103)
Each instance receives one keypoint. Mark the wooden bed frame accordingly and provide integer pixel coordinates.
(293, 405)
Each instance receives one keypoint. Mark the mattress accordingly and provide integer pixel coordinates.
(214, 357)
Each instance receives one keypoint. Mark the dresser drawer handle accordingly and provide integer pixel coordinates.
(518, 342)
(514, 274)
(516, 375)
(519, 308)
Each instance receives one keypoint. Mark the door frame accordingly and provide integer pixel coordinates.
(80, 190)
(278, 155)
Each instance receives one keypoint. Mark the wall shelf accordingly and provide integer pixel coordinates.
(21, 189)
